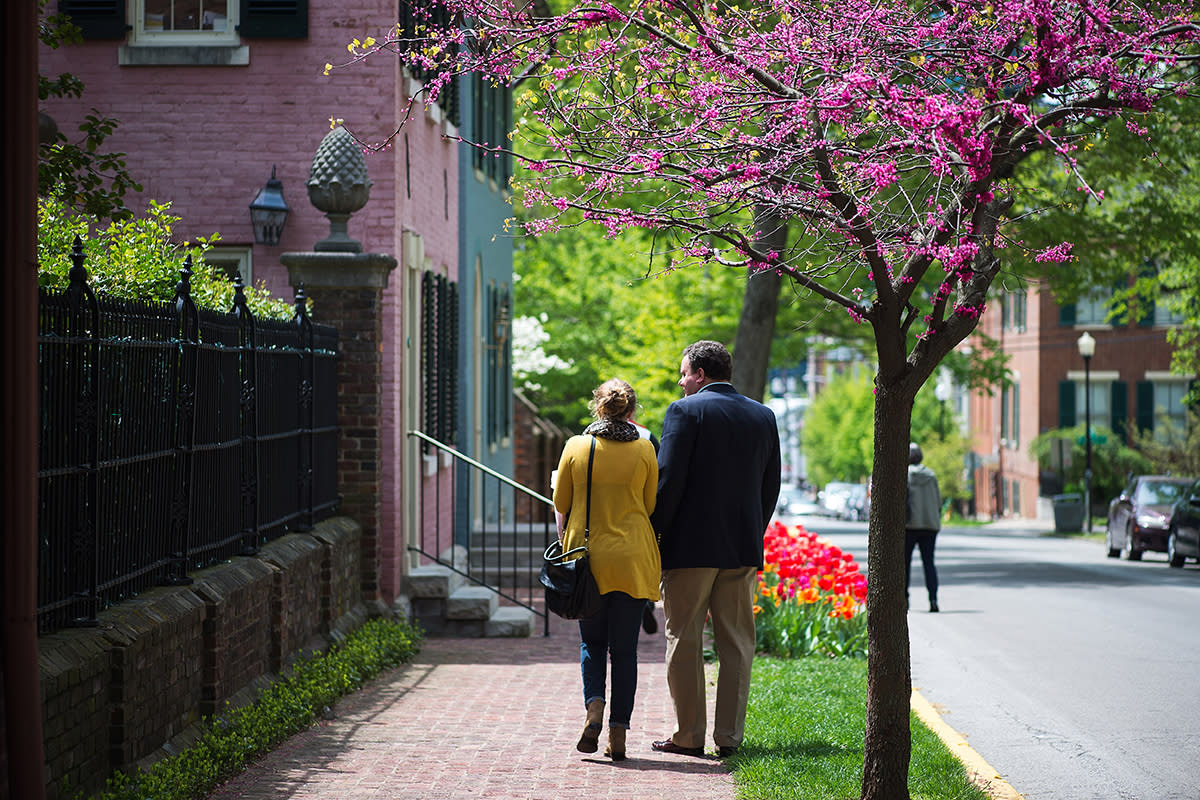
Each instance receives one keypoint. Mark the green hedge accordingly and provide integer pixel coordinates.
(136, 259)
(285, 708)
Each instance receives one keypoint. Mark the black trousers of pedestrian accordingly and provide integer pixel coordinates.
(923, 539)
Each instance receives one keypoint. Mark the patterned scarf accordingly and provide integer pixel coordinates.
(612, 429)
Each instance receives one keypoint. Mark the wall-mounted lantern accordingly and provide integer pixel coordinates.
(269, 212)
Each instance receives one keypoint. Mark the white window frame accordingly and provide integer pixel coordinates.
(193, 37)
(233, 259)
(183, 48)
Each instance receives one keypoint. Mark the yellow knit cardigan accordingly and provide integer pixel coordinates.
(621, 543)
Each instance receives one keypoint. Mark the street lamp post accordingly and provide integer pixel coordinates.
(942, 392)
(1087, 348)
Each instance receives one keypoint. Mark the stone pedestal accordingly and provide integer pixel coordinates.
(347, 292)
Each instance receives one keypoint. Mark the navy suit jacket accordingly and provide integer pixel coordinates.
(718, 480)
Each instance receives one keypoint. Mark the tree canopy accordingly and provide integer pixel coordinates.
(884, 134)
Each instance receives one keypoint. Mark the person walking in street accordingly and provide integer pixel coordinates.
(719, 475)
(607, 481)
(923, 523)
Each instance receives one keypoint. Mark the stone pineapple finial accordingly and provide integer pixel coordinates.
(338, 186)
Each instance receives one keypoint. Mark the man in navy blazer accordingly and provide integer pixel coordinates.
(718, 482)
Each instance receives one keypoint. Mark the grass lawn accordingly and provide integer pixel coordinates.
(804, 737)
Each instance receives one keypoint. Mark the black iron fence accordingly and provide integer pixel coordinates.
(171, 439)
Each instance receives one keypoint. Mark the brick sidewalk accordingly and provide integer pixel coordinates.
(486, 719)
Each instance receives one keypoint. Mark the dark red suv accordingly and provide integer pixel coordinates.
(1140, 519)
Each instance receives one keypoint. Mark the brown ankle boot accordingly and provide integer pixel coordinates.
(616, 744)
(590, 738)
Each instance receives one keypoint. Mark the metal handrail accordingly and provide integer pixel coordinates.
(514, 562)
(481, 467)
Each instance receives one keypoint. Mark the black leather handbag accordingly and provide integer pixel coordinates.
(571, 591)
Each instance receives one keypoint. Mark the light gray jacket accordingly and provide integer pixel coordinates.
(924, 499)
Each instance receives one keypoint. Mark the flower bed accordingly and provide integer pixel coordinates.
(811, 597)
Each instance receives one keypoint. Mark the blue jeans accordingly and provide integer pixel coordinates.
(612, 633)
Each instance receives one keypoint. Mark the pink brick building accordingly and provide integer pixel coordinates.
(212, 96)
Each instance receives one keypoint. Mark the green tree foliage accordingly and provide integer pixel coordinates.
(838, 443)
(837, 432)
(1171, 448)
(609, 312)
(1141, 238)
(134, 258)
(608, 309)
(79, 173)
(1112, 461)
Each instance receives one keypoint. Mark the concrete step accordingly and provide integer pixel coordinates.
(434, 580)
(510, 622)
(472, 602)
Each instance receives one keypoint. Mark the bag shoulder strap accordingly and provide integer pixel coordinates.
(587, 515)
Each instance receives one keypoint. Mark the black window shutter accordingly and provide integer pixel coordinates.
(1146, 304)
(274, 19)
(1145, 405)
(1120, 410)
(1066, 404)
(98, 19)
(1066, 315)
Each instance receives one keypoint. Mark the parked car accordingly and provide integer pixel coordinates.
(844, 500)
(794, 502)
(1183, 541)
(1140, 518)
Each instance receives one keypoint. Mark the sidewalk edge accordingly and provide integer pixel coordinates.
(981, 773)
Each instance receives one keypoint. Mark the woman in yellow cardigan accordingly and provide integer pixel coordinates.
(623, 551)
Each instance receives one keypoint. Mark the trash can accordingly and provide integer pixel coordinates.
(1068, 513)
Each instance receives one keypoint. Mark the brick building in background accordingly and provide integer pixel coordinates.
(1130, 385)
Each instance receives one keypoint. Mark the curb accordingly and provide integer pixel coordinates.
(981, 773)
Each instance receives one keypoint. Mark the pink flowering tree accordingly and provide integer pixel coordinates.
(860, 152)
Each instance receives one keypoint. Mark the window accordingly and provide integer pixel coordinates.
(1109, 404)
(187, 32)
(414, 17)
(1164, 316)
(1004, 423)
(1010, 415)
(1093, 308)
(184, 16)
(1163, 397)
(1013, 311)
(1014, 440)
(1101, 410)
(233, 261)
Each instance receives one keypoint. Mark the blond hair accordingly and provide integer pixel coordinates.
(614, 399)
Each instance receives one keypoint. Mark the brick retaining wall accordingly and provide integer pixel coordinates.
(113, 696)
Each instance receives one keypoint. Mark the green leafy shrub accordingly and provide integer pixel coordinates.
(1112, 461)
(135, 259)
(285, 708)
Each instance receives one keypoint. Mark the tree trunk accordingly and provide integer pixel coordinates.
(888, 742)
(756, 326)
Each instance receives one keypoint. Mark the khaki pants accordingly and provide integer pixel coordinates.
(689, 596)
